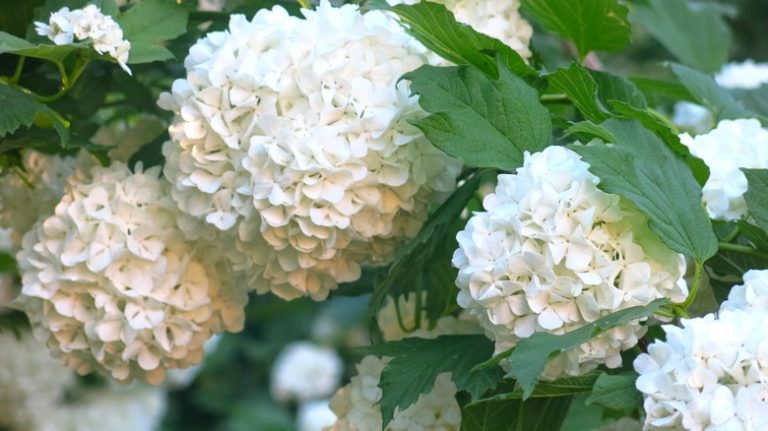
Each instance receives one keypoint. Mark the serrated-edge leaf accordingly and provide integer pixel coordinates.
(528, 359)
(581, 88)
(706, 92)
(558, 388)
(756, 195)
(616, 391)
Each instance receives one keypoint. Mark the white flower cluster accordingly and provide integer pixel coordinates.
(30, 380)
(87, 24)
(314, 416)
(732, 145)
(357, 409)
(394, 329)
(305, 371)
(747, 75)
(552, 253)
(293, 143)
(711, 373)
(110, 283)
(499, 19)
(33, 193)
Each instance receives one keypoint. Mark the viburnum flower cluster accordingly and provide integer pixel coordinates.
(293, 144)
(552, 252)
(746, 75)
(357, 409)
(732, 145)
(712, 372)
(33, 193)
(305, 371)
(110, 283)
(87, 24)
(499, 19)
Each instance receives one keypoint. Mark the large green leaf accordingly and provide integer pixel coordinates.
(20, 109)
(416, 362)
(757, 195)
(641, 168)
(56, 53)
(581, 88)
(559, 388)
(697, 36)
(150, 22)
(616, 391)
(706, 92)
(484, 122)
(435, 27)
(592, 25)
(528, 358)
(542, 414)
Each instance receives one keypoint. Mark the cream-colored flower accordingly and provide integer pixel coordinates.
(552, 252)
(304, 371)
(293, 145)
(110, 283)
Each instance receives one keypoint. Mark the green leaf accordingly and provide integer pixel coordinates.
(753, 99)
(581, 89)
(482, 121)
(588, 130)
(616, 391)
(706, 92)
(592, 25)
(558, 388)
(543, 414)
(642, 169)
(437, 29)
(20, 109)
(416, 362)
(416, 255)
(614, 87)
(528, 358)
(757, 195)
(16, 16)
(7, 262)
(56, 53)
(697, 36)
(150, 22)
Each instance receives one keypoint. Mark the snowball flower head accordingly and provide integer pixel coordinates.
(292, 143)
(392, 330)
(109, 282)
(752, 295)
(732, 145)
(709, 374)
(305, 371)
(499, 19)
(26, 197)
(314, 416)
(552, 252)
(747, 75)
(692, 118)
(87, 24)
(357, 404)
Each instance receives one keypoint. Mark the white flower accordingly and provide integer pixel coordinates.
(30, 380)
(357, 409)
(692, 118)
(109, 282)
(87, 24)
(746, 75)
(752, 295)
(293, 144)
(305, 371)
(27, 196)
(732, 145)
(499, 19)
(392, 330)
(552, 253)
(709, 374)
(183, 377)
(315, 415)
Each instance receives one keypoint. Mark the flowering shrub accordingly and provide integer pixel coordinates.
(379, 215)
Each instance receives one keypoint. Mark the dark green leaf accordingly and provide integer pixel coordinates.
(416, 255)
(527, 360)
(20, 109)
(587, 130)
(416, 362)
(147, 53)
(592, 25)
(642, 169)
(435, 27)
(543, 414)
(754, 99)
(705, 91)
(757, 195)
(558, 388)
(581, 89)
(697, 36)
(153, 20)
(16, 16)
(614, 87)
(616, 392)
(482, 121)
(7, 262)
(55, 53)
